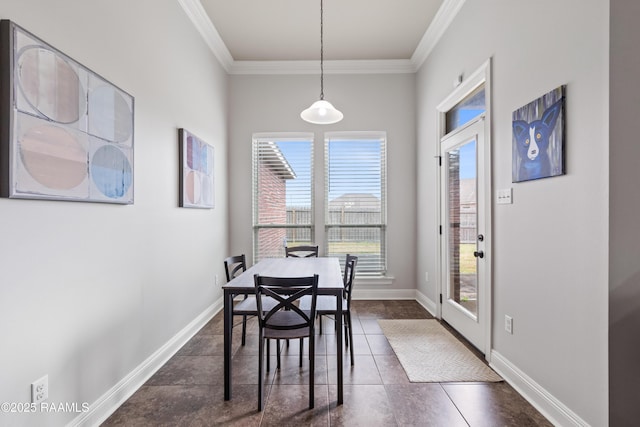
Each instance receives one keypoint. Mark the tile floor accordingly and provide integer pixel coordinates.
(188, 389)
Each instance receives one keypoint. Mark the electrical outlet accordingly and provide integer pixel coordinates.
(217, 280)
(40, 390)
(508, 324)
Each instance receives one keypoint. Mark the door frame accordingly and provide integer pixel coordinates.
(479, 77)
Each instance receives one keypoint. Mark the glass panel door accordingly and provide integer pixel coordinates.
(463, 245)
(461, 228)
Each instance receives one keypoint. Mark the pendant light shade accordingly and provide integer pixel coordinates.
(321, 112)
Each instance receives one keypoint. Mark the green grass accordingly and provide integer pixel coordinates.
(355, 247)
(467, 260)
(346, 247)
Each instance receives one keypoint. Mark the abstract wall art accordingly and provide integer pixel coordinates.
(66, 133)
(196, 172)
(538, 137)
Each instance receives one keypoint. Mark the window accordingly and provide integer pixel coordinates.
(355, 198)
(472, 106)
(282, 193)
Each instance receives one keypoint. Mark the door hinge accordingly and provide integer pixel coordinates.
(440, 230)
(440, 298)
(439, 160)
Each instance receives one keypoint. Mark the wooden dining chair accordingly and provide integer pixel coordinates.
(326, 304)
(301, 251)
(286, 320)
(234, 266)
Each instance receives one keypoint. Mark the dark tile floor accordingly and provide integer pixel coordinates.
(188, 389)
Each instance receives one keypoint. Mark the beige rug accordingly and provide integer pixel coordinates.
(430, 353)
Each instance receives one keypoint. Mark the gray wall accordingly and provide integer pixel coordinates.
(550, 246)
(90, 291)
(383, 102)
(624, 205)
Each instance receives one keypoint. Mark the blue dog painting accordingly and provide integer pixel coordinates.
(538, 138)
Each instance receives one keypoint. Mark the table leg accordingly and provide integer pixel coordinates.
(339, 339)
(228, 327)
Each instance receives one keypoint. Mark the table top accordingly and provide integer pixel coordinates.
(327, 269)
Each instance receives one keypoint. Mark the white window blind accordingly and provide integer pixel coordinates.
(355, 198)
(282, 193)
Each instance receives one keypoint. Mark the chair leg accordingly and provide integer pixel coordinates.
(244, 329)
(278, 354)
(350, 334)
(268, 354)
(347, 340)
(312, 367)
(301, 350)
(320, 322)
(260, 370)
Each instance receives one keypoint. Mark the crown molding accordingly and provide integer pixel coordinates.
(445, 15)
(441, 21)
(399, 66)
(200, 19)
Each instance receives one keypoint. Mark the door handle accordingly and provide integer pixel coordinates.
(479, 254)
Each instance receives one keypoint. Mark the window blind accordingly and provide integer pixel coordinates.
(355, 199)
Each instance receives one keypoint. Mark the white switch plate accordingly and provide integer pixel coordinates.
(508, 324)
(504, 196)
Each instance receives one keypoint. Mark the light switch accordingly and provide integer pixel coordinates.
(504, 196)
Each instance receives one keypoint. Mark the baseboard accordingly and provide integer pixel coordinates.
(107, 404)
(383, 294)
(554, 410)
(428, 304)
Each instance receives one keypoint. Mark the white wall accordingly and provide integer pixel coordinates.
(550, 246)
(369, 102)
(89, 291)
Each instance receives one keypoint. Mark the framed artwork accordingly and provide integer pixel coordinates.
(66, 133)
(538, 138)
(196, 172)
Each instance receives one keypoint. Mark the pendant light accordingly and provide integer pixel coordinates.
(321, 112)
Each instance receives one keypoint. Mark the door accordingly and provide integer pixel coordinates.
(463, 219)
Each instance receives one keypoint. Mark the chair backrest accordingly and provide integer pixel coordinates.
(349, 275)
(234, 265)
(301, 251)
(285, 292)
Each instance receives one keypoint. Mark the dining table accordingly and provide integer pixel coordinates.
(329, 283)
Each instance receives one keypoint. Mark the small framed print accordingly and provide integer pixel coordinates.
(196, 172)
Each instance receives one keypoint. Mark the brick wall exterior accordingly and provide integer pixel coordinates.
(454, 223)
(272, 209)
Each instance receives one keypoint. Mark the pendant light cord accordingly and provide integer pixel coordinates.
(321, 51)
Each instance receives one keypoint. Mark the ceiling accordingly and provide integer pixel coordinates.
(284, 30)
(258, 36)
